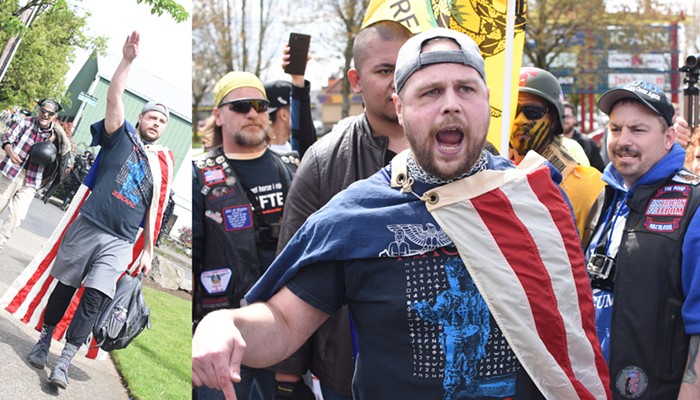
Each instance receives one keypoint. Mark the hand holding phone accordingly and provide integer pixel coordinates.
(298, 53)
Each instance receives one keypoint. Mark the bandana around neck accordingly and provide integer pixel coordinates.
(420, 175)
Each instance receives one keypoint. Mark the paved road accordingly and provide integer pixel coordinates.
(88, 379)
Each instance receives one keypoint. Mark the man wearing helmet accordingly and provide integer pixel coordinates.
(31, 158)
(538, 126)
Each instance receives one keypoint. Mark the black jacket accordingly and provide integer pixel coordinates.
(226, 263)
(648, 344)
(56, 172)
(348, 153)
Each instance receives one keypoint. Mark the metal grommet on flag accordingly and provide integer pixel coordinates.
(401, 178)
(433, 198)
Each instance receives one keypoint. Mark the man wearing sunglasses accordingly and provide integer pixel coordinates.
(26, 167)
(538, 127)
(239, 191)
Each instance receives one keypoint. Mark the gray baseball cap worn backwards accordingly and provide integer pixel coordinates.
(155, 106)
(411, 60)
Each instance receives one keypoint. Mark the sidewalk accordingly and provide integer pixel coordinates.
(88, 379)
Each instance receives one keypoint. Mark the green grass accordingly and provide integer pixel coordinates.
(158, 363)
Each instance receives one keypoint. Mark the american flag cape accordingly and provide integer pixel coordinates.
(529, 268)
(27, 296)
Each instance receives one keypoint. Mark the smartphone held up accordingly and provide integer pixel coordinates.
(298, 53)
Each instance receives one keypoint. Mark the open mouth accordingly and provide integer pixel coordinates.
(450, 139)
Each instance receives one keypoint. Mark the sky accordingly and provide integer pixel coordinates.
(165, 50)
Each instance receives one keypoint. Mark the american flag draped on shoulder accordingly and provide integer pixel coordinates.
(530, 270)
(27, 296)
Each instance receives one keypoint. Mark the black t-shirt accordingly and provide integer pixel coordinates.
(123, 185)
(423, 329)
(261, 177)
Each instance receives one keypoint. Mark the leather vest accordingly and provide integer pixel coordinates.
(237, 249)
(648, 344)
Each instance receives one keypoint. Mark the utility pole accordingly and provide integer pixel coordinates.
(10, 48)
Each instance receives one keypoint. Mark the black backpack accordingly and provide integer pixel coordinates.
(124, 317)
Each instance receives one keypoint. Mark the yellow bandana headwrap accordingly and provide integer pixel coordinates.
(234, 80)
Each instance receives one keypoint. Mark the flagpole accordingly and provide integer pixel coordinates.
(508, 81)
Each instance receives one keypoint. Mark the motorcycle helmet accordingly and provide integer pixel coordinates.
(545, 85)
(43, 153)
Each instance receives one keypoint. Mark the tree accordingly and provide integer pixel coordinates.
(350, 14)
(185, 236)
(560, 36)
(229, 35)
(15, 20)
(176, 11)
(45, 55)
(555, 27)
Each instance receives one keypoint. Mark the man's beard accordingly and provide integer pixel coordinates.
(256, 139)
(424, 156)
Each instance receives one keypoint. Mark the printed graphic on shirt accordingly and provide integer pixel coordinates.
(603, 302)
(270, 197)
(666, 207)
(452, 333)
(412, 239)
(133, 180)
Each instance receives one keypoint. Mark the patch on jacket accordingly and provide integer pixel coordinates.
(666, 207)
(238, 217)
(631, 382)
(216, 281)
(213, 175)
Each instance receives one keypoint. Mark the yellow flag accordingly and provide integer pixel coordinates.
(485, 22)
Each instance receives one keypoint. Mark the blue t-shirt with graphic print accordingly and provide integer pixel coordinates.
(123, 184)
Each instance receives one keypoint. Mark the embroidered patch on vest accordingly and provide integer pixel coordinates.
(213, 175)
(238, 217)
(668, 203)
(631, 382)
(216, 281)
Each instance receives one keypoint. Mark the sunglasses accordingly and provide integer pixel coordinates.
(47, 112)
(532, 111)
(243, 106)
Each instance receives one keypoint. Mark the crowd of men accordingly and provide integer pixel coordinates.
(402, 259)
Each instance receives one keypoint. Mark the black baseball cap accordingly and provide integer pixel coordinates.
(649, 94)
(278, 93)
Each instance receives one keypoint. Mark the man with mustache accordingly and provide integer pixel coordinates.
(644, 257)
(22, 175)
(239, 191)
(538, 126)
(400, 303)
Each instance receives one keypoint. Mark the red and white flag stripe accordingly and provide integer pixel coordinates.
(27, 296)
(528, 265)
